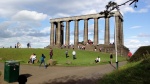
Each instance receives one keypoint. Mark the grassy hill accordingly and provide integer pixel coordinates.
(84, 58)
(141, 53)
(137, 71)
(132, 73)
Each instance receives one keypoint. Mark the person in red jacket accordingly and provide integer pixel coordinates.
(129, 54)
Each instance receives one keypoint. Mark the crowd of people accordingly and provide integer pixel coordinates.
(22, 79)
(42, 58)
(19, 45)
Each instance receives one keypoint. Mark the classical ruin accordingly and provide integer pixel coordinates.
(57, 32)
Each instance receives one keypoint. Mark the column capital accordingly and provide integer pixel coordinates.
(51, 22)
(67, 20)
(76, 20)
(95, 18)
(86, 19)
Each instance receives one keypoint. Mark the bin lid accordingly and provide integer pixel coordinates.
(12, 62)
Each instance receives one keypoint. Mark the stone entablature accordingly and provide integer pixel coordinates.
(83, 17)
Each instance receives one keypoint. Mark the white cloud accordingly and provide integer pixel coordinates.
(91, 28)
(46, 30)
(4, 12)
(143, 35)
(25, 15)
(148, 42)
(133, 44)
(142, 11)
(24, 19)
(134, 37)
(135, 27)
(61, 15)
(127, 9)
(133, 41)
(93, 11)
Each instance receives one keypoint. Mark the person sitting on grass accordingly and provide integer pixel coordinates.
(30, 60)
(33, 58)
(97, 59)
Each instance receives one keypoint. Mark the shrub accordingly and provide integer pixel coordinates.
(142, 53)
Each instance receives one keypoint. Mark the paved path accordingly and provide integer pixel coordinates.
(65, 75)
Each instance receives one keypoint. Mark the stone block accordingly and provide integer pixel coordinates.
(51, 62)
(68, 62)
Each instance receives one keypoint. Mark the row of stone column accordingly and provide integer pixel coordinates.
(57, 27)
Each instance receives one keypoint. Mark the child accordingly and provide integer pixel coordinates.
(42, 60)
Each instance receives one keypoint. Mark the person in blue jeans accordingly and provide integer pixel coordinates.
(42, 60)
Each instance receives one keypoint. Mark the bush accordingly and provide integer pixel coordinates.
(142, 53)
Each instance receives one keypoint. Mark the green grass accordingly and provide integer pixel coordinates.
(132, 73)
(137, 71)
(84, 58)
(141, 53)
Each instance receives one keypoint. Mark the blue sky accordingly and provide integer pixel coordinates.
(28, 21)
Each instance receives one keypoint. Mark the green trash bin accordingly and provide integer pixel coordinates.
(11, 71)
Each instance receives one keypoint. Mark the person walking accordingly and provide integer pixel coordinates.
(27, 45)
(74, 54)
(51, 53)
(42, 60)
(111, 57)
(66, 53)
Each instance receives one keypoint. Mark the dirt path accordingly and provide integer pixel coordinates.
(62, 75)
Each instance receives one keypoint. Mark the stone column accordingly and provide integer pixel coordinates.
(52, 34)
(121, 30)
(76, 34)
(62, 33)
(95, 31)
(117, 30)
(58, 34)
(85, 31)
(67, 41)
(107, 33)
(56, 29)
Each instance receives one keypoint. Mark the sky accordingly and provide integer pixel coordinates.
(27, 21)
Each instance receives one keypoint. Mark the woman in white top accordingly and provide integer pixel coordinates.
(74, 54)
(33, 58)
(97, 59)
